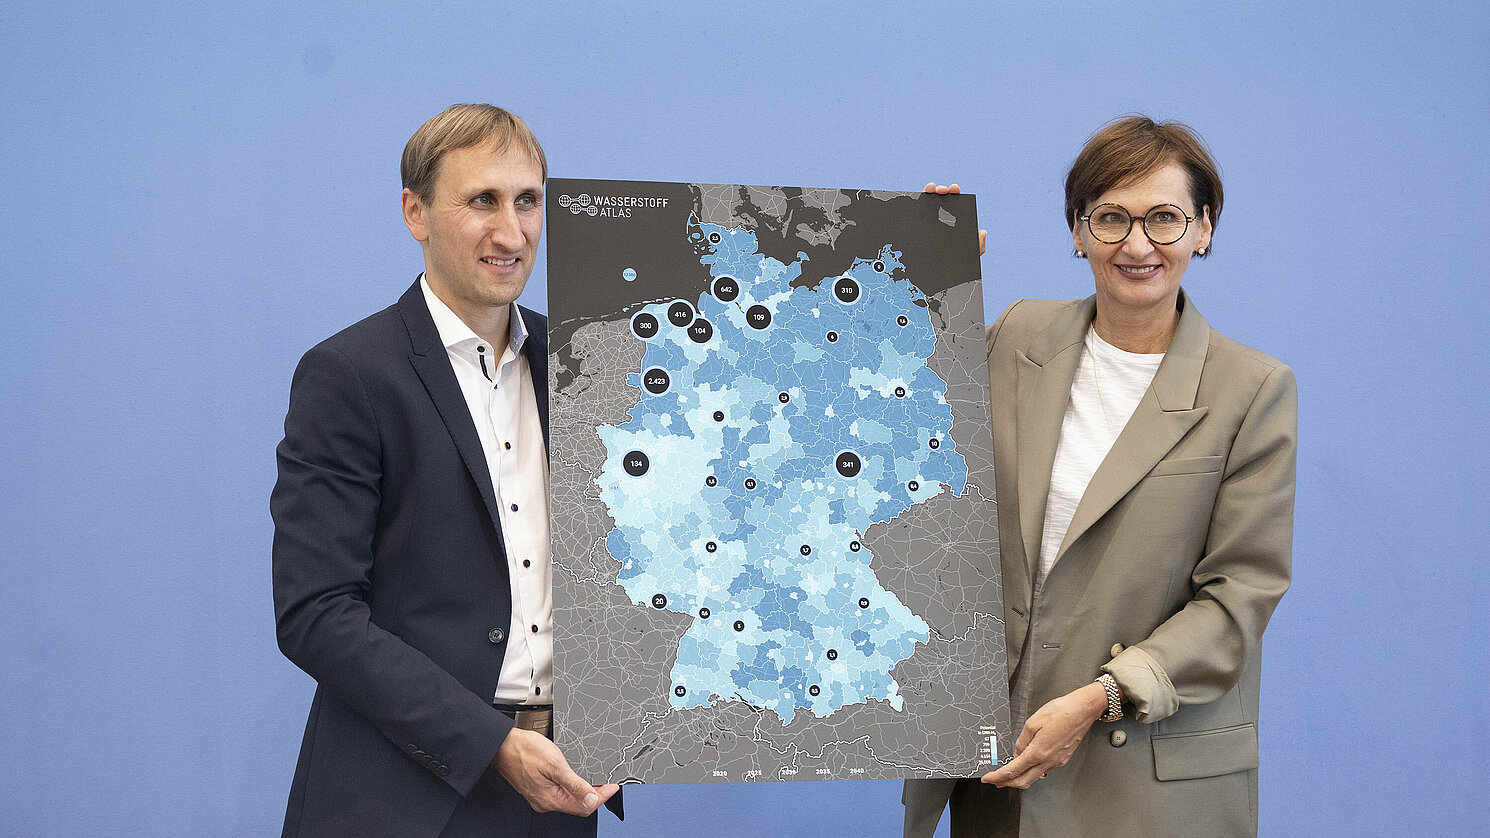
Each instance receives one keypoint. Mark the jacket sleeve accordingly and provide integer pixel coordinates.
(326, 509)
(1199, 653)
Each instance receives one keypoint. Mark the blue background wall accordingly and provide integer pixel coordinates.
(195, 196)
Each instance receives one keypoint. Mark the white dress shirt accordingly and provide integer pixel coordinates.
(498, 387)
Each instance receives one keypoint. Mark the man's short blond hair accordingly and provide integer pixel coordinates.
(463, 126)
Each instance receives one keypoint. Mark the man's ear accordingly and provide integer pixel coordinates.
(414, 216)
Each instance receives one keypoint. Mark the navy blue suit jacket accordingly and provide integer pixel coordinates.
(390, 580)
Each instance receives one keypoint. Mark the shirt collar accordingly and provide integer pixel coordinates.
(455, 334)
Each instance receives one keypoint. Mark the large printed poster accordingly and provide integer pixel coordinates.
(774, 539)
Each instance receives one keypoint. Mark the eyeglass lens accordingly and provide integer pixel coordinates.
(1164, 224)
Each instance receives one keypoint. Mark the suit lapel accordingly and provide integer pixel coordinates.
(1046, 371)
(431, 362)
(536, 350)
(1164, 415)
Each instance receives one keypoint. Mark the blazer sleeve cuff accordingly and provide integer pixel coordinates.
(1144, 683)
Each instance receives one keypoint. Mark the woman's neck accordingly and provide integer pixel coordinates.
(1145, 333)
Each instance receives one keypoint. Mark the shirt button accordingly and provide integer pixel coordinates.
(497, 636)
(514, 507)
(507, 445)
(535, 629)
(537, 691)
(527, 562)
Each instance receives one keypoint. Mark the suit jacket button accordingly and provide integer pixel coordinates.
(443, 770)
(411, 749)
(497, 636)
(1117, 649)
(1119, 738)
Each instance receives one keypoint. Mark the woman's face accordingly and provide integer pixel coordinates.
(1136, 277)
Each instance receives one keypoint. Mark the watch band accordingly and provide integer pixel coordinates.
(1114, 698)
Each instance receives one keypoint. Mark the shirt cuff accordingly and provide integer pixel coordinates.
(1144, 683)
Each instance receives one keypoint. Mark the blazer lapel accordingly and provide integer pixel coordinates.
(431, 362)
(536, 350)
(1164, 415)
(1046, 371)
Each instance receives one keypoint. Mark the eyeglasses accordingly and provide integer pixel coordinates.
(1164, 224)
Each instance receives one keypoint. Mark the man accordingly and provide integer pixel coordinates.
(411, 563)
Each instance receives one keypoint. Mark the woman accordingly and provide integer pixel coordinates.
(1145, 472)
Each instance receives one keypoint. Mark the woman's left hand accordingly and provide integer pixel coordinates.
(1050, 737)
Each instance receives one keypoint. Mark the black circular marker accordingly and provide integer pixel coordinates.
(680, 691)
(714, 237)
(701, 331)
(863, 602)
(848, 464)
(879, 266)
(845, 289)
(711, 481)
(711, 547)
(739, 625)
(656, 380)
(832, 337)
(635, 463)
(758, 317)
(853, 546)
(750, 482)
(718, 416)
(704, 613)
(726, 289)
(899, 392)
(902, 320)
(680, 313)
(806, 549)
(644, 326)
(832, 654)
(783, 398)
(935, 443)
(658, 601)
(913, 485)
(814, 689)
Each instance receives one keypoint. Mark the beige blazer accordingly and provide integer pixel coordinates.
(1174, 561)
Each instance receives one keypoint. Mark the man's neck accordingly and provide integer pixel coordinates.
(490, 323)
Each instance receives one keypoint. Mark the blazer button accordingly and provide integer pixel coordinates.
(1117, 649)
(411, 749)
(497, 636)
(443, 771)
(1119, 738)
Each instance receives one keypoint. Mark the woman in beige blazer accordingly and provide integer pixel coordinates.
(1134, 631)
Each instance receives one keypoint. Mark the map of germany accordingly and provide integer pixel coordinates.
(735, 547)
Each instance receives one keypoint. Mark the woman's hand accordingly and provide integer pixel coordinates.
(1050, 737)
(954, 189)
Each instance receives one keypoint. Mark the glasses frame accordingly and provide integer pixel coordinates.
(1145, 218)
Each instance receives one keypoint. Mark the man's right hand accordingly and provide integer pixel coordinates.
(533, 765)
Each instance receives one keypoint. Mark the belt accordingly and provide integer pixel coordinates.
(535, 717)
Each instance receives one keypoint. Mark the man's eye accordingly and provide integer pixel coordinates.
(527, 199)
(481, 199)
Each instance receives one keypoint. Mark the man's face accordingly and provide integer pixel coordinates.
(479, 229)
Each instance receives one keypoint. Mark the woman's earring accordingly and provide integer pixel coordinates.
(1200, 252)
(1081, 254)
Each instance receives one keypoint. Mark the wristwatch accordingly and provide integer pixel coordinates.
(1114, 698)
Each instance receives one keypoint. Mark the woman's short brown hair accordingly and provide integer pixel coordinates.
(1131, 147)
(463, 126)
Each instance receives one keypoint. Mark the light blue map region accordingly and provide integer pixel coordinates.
(776, 424)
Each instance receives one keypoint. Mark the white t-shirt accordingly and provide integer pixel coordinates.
(1109, 384)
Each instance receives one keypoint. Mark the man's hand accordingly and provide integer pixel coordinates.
(954, 189)
(534, 766)
(1050, 737)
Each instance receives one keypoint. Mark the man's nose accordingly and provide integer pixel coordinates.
(506, 232)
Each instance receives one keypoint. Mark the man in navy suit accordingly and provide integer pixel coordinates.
(411, 564)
